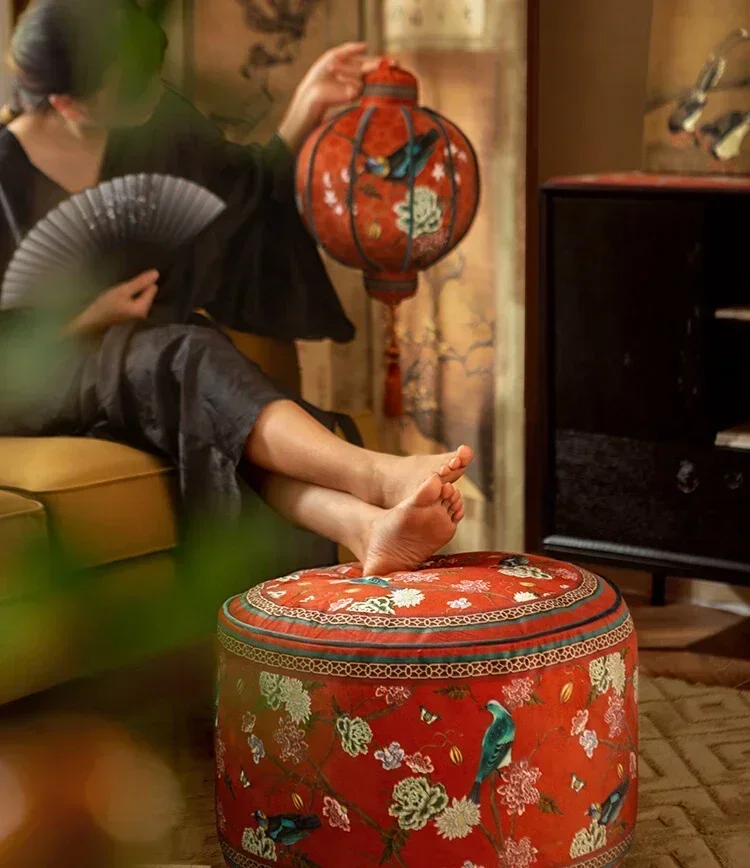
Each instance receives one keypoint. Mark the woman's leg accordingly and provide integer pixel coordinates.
(287, 440)
(384, 540)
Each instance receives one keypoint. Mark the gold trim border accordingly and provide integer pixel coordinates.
(607, 857)
(589, 584)
(426, 671)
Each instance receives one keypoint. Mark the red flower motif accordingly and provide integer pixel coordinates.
(291, 741)
(579, 722)
(615, 715)
(517, 854)
(420, 764)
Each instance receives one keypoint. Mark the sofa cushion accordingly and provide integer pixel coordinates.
(105, 502)
(22, 522)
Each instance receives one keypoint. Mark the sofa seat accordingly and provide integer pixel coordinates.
(104, 502)
(22, 522)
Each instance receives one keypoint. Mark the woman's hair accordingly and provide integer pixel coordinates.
(67, 47)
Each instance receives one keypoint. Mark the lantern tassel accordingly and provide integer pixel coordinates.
(393, 403)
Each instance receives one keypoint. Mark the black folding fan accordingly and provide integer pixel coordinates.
(105, 235)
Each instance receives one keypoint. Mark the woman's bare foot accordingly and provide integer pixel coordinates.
(403, 537)
(395, 479)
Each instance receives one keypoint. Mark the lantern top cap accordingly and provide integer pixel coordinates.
(389, 81)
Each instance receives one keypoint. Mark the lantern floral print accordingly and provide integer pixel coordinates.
(428, 213)
(537, 767)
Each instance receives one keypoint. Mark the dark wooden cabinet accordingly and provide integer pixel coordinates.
(638, 376)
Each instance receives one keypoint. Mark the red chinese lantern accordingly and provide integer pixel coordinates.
(390, 188)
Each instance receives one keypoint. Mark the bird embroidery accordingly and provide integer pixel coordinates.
(287, 829)
(610, 808)
(408, 160)
(496, 746)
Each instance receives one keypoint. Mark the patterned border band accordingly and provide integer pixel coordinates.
(400, 287)
(426, 671)
(600, 860)
(391, 91)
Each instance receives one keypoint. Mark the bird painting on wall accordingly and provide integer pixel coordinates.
(496, 746)
(609, 810)
(287, 829)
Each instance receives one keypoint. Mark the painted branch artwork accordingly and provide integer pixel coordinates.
(698, 105)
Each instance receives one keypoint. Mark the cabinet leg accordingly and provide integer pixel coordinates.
(658, 589)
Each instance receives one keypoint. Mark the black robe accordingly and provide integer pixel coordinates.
(175, 385)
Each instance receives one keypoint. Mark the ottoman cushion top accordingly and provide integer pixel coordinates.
(469, 615)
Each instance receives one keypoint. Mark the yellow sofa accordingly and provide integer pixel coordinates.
(111, 508)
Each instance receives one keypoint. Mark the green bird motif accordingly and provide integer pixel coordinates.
(609, 810)
(496, 746)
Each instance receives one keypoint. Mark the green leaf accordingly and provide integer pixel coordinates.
(455, 691)
(547, 805)
(535, 700)
(336, 707)
(394, 842)
(591, 697)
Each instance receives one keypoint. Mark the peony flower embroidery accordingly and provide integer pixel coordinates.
(635, 684)
(461, 603)
(523, 571)
(270, 688)
(296, 699)
(458, 820)
(599, 675)
(420, 763)
(336, 814)
(391, 757)
(413, 578)
(248, 723)
(375, 605)
(518, 789)
(416, 801)
(616, 672)
(588, 840)
(524, 596)
(428, 212)
(257, 748)
(615, 715)
(336, 605)
(291, 741)
(355, 734)
(472, 586)
(589, 741)
(517, 854)
(406, 598)
(255, 841)
(518, 692)
(633, 765)
(579, 722)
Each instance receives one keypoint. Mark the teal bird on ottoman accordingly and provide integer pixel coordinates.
(610, 808)
(496, 746)
(287, 829)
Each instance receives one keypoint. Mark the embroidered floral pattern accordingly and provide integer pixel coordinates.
(616, 670)
(524, 571)
(256, 842)
(599, 675)
(524, 596)
(579, 722)
(428, 213)
(518, 692)
(406, 598)
(458, 820)
(393, 695)
(635, 684)
(391, 757)
(337, 814)
(375, 605)
(461, 603)
(291, 740)
(337, 605)
(270, 688)
(588, 840)
(633, 765)
(472, 586)
(615, 715)
(589, 741)
(355, 734)
(257, 748)
(296, 699)
(416, 801)
(517, 854)
(518, 789)
(248, 722)
(420, 764)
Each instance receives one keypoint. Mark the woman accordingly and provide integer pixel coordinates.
(148, 371)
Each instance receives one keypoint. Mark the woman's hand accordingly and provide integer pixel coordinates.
(335, 79)
(126, 301)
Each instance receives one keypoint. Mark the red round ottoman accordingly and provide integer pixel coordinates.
(479, 712)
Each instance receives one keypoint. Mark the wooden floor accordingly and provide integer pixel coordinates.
(168, 704)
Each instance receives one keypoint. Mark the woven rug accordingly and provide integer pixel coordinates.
(694, 783)
(694, 788)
